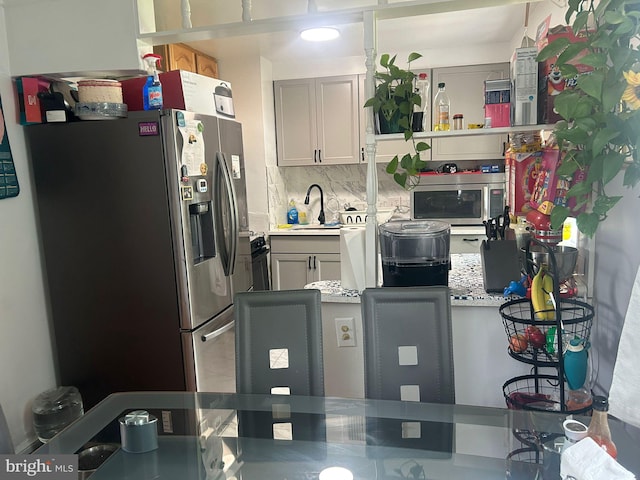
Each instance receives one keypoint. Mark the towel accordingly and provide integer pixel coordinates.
(586, 460)
(625, 386)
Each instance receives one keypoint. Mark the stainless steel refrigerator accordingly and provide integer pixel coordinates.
(145, 238)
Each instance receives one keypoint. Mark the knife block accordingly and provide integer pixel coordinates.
(500, 264)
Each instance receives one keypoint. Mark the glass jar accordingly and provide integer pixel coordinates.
(457, 121)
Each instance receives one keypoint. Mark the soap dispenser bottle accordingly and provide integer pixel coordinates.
(292, 213)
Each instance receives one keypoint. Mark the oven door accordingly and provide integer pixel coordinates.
(454, 204)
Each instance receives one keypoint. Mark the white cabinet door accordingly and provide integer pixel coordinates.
(327, 266)
(317, 121)
(465, 87)
(295, 270)
(290, 271)
(299, 260)
(296, 128)
(337, 120)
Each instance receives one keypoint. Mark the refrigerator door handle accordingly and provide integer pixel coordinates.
(225, 183)
(218, 332)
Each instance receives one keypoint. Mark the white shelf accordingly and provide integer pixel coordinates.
(467, 132)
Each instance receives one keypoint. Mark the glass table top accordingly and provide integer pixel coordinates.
(227, 436)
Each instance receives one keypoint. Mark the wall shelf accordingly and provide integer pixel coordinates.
(467, 132)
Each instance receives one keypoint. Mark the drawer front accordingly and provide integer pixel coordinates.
(466, 243)
(305, 244)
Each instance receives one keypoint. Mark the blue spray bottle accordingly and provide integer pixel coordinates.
(152, 90)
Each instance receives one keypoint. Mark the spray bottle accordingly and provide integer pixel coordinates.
(152, 90)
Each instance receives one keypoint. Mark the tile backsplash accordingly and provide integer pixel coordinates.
(341, 184)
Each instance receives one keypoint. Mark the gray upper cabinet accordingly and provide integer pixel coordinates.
(465, 87)
(317, 121)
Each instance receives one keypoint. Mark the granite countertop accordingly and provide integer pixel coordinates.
(465, 282)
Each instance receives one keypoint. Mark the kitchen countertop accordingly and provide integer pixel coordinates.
(465, 282)
(306, 230)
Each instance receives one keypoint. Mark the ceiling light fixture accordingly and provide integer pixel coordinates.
(320, 34)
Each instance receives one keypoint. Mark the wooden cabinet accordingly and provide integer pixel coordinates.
(317, 121)
(388, 148)
(206, 65)
(299, 260)
(465, 87)
(178, 56)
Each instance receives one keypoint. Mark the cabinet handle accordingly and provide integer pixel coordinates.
(309, 258)
(362, 150)
(314, 262)
(319, 156)
(469, 239)
(315, 156)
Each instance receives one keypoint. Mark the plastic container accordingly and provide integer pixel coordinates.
(442, 106)
(415, 253)
(54, 409)
(575, 362)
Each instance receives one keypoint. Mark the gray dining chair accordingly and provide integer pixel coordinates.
(279, 342)
(408, 356)
(279, 352)
(6, 445)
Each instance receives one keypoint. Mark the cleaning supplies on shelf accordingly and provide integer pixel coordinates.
(152, 90)
(292, 213)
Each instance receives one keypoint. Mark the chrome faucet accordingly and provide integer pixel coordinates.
(306, 202)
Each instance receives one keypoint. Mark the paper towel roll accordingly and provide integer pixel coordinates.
(352, 257)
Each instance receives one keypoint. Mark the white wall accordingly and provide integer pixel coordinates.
(251, 108)
(26, 360)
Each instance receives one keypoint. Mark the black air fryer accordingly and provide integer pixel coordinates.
(415, 253)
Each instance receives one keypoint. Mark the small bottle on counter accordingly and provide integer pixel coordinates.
(457, 121)
(599, 426)
(442, 106)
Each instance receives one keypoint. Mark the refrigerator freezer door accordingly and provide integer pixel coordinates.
(210, 353)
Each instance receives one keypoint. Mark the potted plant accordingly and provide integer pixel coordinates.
(393, 102)
(599, 133)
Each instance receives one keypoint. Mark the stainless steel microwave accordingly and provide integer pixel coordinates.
(460, 198)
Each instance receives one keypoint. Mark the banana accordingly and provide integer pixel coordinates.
(541, 288)
(537, 295)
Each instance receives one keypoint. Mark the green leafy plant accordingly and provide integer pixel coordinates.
(393, 101)
(600, 130)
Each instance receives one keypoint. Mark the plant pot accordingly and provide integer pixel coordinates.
(389, 126)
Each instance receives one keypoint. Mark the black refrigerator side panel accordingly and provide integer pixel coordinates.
(106, 239)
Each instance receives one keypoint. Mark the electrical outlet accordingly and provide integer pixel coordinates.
(345, 332)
